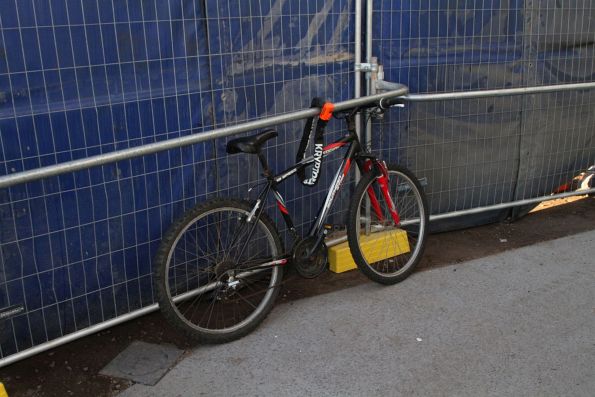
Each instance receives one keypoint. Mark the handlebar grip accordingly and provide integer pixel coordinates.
(386, 103)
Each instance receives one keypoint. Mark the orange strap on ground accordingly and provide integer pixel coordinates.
(327, 111)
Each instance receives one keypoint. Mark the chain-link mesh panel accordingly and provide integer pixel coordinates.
(480, 152)
(80, 78)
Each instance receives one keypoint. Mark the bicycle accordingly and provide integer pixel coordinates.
(219, 267)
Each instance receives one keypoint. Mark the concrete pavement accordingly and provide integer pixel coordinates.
(520, 323)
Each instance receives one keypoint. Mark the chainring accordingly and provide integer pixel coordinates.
(313, 265)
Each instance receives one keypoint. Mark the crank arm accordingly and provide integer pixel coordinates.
(319, 241)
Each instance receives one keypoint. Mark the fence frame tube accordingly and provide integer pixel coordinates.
(511, 204)
(492, 93)
(396, 90)
(98, 160)
(386, 85)
(125, 154)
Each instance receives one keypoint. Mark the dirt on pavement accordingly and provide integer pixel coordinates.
(73, 369)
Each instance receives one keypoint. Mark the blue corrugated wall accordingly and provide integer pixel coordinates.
(480, 152)
(79, 78)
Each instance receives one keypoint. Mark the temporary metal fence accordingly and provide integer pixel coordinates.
(123, 108)
(501, 114)
(84, 84)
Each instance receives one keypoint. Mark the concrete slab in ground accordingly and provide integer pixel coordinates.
(143, 362)
(519, 323)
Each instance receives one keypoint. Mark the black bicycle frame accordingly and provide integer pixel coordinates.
(317, 228)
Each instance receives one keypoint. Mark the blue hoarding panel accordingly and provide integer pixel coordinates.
(84, 78)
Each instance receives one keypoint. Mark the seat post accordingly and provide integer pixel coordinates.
(265, 165)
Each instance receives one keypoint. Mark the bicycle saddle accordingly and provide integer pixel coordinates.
(250, 144)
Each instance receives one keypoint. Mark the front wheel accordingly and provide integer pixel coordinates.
(387, 228)
(206, 272)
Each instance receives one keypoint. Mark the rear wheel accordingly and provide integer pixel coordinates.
(386, 251)
(204, 271)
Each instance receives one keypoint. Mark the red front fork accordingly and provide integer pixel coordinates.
(383, 183)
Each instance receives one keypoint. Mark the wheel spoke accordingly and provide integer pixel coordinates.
(203, 256)
(409, 201)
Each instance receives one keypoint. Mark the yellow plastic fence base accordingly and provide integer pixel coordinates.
(376, 247)
(3, 392)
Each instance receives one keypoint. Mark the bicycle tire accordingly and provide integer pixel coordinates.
(388, 269)
(166, 272)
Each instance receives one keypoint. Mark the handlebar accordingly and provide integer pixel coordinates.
(382, 104)
(381, 101)
(371, 100)
(386, 103)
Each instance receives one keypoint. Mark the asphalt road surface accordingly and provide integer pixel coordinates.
(519, 323)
